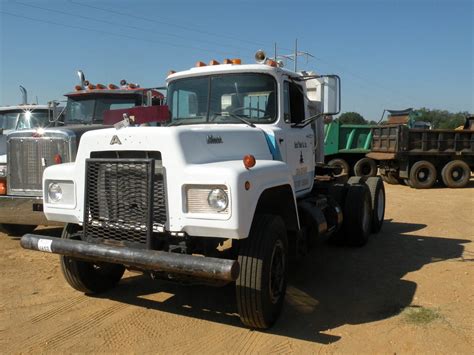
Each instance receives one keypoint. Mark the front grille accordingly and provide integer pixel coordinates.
(27, 159)
(124, 201)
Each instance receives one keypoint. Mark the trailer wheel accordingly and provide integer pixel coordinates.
(422, 175)
(365, 167)
(85, 276)
(261, 285)
(340, 164)
(377, 194)
(390, 178)
(456, 174)
(357, 215)
(17, 230)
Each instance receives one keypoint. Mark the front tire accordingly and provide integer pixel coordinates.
(17, 230)
(86, 276)
(263, 259)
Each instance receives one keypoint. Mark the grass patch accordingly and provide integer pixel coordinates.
(419, 315)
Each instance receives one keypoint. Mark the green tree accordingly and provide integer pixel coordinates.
(352, 118)
(441, 118)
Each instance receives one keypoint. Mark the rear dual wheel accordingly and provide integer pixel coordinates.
(365, 167)
(422, 175)
(456, 174)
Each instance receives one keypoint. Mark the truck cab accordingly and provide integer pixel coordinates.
(31, 150)
(228, 192)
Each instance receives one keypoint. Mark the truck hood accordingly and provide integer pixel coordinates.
(197, 144)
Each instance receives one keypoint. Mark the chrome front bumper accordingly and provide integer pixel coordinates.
(23, 210)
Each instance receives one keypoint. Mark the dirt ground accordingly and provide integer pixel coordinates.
(410, 290)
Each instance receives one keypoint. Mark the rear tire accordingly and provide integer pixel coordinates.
(365, 167)
(357, 215)
(85, 276)
(17, 230)
(261, 285)
(390, 178)
(342, 165)
(377, 194)
(422, 175)
(456, 174)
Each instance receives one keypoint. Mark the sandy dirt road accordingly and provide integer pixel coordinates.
(411, 289)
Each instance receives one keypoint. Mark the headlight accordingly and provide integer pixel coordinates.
(218, 199)
(207, 199)
(55, 193)
(3, 170)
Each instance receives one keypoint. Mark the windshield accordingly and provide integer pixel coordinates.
(223, 99)
(91, 110)
(24, 119)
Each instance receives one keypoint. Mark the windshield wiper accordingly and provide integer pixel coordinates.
(233, 115)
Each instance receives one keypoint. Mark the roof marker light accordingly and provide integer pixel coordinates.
(112, 86)
(171, 72)
(227, 61)
(214, 62)
(200, 64)
(100, 86)
(78, 87)
(236, 61)
(90, 87)
(271, 63)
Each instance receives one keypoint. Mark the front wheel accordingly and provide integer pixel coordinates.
(86, 276)
(261, 285)
(377, 194)
(17, 230)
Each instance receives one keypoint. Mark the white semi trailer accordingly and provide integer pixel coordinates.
(228, 192)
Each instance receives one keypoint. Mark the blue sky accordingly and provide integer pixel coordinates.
(389, 53)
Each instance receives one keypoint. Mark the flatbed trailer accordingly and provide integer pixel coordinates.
(420, 157)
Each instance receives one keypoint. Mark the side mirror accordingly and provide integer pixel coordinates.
(331, 94)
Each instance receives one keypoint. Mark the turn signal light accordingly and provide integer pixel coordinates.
(271, 63)
(214, 62)
(113, 86)
(200, 64)
(58, 159)
(249, 161)
(3, 187)
(236, 61)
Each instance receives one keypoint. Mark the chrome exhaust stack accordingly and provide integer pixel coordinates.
(24, 96)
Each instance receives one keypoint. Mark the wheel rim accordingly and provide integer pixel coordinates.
(380, 205)
(277, 272)
(457, 174)
(423, 174)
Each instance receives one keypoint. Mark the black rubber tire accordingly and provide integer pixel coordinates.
(338, 162)
(354, 180)
(377, 194)
(258, 308)
(357, 215)
(365, 167)
(17, 230)
(456, 174)
(407, 182)
(85, 276)
(422, 175)
(390, 178)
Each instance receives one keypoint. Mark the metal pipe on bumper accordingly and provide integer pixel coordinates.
(152, 260)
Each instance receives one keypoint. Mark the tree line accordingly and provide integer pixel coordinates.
(441, 119)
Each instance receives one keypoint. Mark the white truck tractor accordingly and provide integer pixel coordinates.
(228, 192)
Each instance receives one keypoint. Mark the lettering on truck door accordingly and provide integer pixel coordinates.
(299, 141)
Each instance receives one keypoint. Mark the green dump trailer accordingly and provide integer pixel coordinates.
(345, 146)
